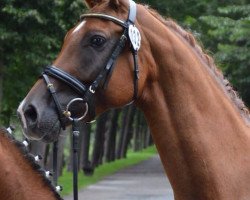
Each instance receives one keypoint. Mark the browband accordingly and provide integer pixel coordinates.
(106, 17)
(130, 20)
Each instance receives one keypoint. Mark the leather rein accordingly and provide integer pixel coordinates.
(87, 92)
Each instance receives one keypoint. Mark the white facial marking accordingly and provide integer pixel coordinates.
(20, 111)
(79, 26)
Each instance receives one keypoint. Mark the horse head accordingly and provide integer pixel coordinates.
(101, 48)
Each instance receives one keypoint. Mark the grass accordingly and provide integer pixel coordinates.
(104, 170)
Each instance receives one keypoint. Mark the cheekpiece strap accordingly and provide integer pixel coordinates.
(132, 12)
(52, 91)
(131, 33)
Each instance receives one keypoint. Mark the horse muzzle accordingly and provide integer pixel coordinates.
(35, 126)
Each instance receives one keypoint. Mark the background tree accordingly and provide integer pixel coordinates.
(31, 34)
(230, 32)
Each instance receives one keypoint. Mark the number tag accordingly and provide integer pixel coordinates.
(135, 37)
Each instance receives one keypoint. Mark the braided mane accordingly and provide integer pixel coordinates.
(30, 159)
(209, 61)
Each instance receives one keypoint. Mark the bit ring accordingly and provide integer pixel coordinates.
(67, 113)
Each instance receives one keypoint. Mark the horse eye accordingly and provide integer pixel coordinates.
(97, 41)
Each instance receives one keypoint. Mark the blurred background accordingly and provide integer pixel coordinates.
(31, 35)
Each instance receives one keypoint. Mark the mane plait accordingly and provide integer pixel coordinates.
(31, 160)
(209, 61)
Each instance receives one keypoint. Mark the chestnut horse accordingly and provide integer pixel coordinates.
(21, 178)
(198, 123)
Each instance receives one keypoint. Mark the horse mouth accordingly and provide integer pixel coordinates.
(45, 133)
(53, 134)
(51, 137)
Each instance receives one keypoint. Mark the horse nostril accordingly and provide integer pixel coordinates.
(31, 115)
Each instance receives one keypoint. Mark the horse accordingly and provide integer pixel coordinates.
(200, 126)
(21, 177)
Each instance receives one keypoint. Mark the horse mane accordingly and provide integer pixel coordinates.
(208, 60)
(31, 160)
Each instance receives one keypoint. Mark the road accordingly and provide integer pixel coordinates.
(144, 181)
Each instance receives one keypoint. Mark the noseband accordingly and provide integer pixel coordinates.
(86, 92)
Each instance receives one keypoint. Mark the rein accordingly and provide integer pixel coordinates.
(86, 92)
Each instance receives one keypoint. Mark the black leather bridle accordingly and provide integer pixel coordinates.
(86, 92)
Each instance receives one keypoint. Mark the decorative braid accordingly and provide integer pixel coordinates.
(30, 159)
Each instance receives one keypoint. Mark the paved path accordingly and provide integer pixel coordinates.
(144, 181)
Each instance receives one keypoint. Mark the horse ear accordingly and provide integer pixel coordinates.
(114, 3)
(92, 3)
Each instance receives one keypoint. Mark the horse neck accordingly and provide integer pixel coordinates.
(18, 180)
(199, 133)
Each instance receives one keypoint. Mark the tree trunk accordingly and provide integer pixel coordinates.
(1, 85)
(99, 140)
(60, 155)
(111, 136)
(137, 132)
(147, 138)
(85, 163)
(128, 132)
(142, 131)
(6, 116)
(150, 139)
(122, 132)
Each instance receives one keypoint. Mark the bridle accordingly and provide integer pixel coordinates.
(87, 92)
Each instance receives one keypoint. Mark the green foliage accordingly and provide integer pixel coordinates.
(239, 10)
(182, 10)
(31, 34)
(230, 31)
